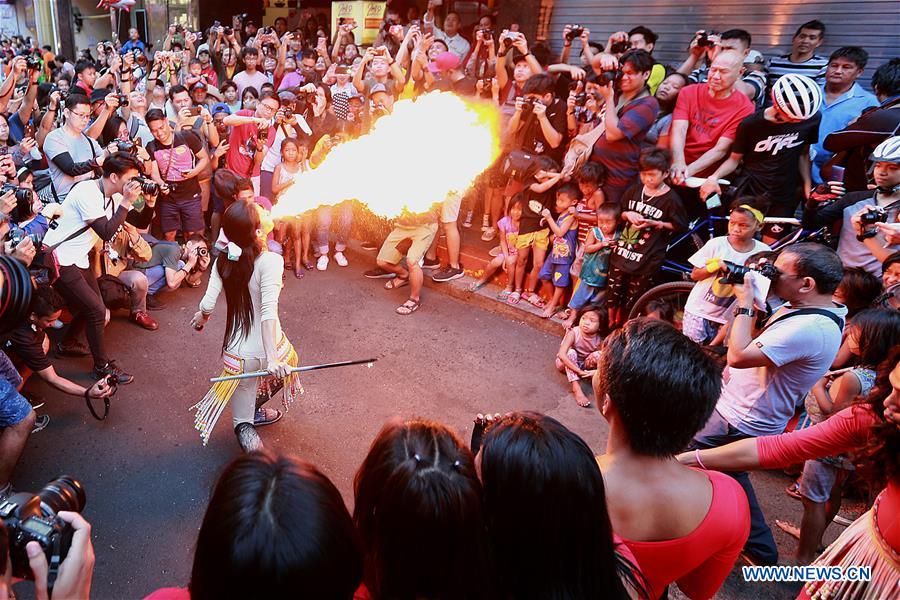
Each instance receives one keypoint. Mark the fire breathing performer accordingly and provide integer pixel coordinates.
(251, 278)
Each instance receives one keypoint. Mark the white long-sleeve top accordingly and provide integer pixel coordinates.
(265, 288)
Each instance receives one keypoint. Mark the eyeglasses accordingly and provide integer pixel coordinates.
(268, 107)
(80, 115)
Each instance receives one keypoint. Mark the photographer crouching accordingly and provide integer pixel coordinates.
(94, 208)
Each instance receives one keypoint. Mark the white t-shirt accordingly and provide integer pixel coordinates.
(273, 154)
(84, 204)
(245, 80)
(80, 147)
(761, 400)
(709, 298)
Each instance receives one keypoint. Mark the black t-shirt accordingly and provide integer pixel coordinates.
(533, 140)
(180, 155)
(772, 154)
(532, 221)
(28, 344)
(642, 250)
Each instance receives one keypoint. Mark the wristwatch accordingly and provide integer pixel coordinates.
(750, 312)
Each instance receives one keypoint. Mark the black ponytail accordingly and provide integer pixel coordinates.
(240, 223)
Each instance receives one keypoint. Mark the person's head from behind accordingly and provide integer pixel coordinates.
(635, 66)
(590, 177)
(225, 184)
(118, 170)
(886, 80)
(858, 290)
(46, 306)
(241, 224)
(807, 271)
(592, 321)
(540, 87)
(890, 271)
(660, 310)
(275, 526)
(845, 65)
(725, 70)
(546, 512)
(418, 508)
(872, 334)
(608, 216)
(745, 218)
(642, 38)
(567, 196)
(77, 112)
(668, 90)
(654, 165)
(243, 189)
(808, 37)
(642, 358)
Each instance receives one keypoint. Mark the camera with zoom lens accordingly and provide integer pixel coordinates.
(22, 195)
(734, 273)
(703, 40)
(33, 63)
(527, 105)
(487, 34)
(148, 186)
(574, 32)
(242, 16)
(17, 235)
(227, 30)
(202, 251)
(62, 94)
(874, 215)
(581, 99)
(33, 518)
(607, 77)
(619, 47)
(123, 99)
(126, 146)
(584, 115)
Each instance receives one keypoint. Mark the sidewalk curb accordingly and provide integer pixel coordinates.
(485, 298)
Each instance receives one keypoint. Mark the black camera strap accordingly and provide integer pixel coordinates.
(90, 405)
(807, 311)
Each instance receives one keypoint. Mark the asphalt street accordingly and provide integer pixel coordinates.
(148, 478)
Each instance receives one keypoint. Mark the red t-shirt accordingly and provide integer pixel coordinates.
(239, 158)
(700, 561)
(708, 119)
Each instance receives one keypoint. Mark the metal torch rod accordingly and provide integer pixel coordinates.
(343, 363)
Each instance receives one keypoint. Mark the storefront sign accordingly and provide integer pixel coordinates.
(366, 15)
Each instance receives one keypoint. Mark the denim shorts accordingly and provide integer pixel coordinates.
(182, 215)
(14, 408)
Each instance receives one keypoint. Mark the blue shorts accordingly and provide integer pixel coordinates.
(182, 215)
(586, 294)
(558, 274)
(818, 480)
(14, 408)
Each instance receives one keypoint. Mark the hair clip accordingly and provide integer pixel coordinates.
(456, 464)
(417, 457)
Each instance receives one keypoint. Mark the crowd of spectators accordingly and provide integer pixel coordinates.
(118, 164)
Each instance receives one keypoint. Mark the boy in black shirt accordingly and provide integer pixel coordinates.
(652, 212)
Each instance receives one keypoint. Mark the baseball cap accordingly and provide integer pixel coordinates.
(355, 95)
(378, 87)
(445, 61)
(198, 86)
(518, 55)
(221, 107)
(99, 95)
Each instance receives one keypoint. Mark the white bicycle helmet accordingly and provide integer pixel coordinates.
(797, 95)
(887, 151)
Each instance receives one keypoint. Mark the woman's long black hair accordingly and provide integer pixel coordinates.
(240, 224)
(881, 457)
(419, 511)
(546, 513)
(275, 527)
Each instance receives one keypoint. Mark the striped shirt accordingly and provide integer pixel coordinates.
(814, 68)
(620, 157)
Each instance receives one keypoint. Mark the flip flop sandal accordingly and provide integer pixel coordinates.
(396, 283)
(476, 285)
(588, 405)
(266, 416)
(299, 274)
(408, 307)
(793, 491)
(534, 300)
(514, 298)
(503, 294)
(308, 266)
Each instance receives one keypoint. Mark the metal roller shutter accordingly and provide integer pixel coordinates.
(872, 24)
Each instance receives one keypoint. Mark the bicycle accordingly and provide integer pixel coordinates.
(676, 292)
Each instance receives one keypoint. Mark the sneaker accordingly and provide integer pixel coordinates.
(489, 234)
(154, 303)
(379, 273)
(485, 222)
(322, 263)
(248, 438)
(72, 349)
(144, 320)
(40, 423)
(448, 274)
(468, 222)
(110, 368)
(369, 246)
(340, 259)
(429, 263)
(266, 416)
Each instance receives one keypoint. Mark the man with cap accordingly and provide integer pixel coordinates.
(103, 105)
(200, 95)
(443, 73)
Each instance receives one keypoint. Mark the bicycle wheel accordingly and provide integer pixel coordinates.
(675, 293)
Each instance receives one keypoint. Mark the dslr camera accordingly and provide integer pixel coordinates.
(574, 32)
(148, 186)
(869, 218)
(17, 235)
(619, 47)
(242, 17)
(33, 63)
(126, 146)
(527, 105)
(607, 77)
(123, 99)
(23, 195)
(33, 518)
(734, 273)
(703, 40)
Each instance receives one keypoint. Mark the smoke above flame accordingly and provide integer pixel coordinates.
(423, 151)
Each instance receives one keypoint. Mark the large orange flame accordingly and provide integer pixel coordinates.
(414, 157)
